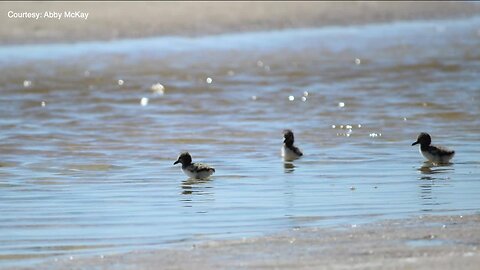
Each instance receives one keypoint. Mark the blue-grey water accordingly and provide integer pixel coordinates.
(86, 166)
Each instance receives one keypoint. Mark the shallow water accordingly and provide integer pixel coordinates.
(87, 169)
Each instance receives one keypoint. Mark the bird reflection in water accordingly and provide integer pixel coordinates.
(431, 172)
(289, 167)
(196, 191)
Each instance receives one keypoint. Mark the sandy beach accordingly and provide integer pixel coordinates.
(424, 242)
(114, 20)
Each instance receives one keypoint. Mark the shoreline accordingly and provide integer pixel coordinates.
(422, 242)
(129, 20)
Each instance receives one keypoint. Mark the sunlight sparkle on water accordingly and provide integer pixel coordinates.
(144, 101)
(209, 80)
(120, 82)
(158, 88)
(291, 98)
(27, 83)
(341, 104)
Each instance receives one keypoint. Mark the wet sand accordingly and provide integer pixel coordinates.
(425, 242)
(113, 20)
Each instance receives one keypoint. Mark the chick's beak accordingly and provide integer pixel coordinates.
(414, 143)
(176, 162)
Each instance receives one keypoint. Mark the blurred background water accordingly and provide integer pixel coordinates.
(89, 133)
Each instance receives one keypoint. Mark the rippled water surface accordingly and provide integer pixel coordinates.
(86, 166)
